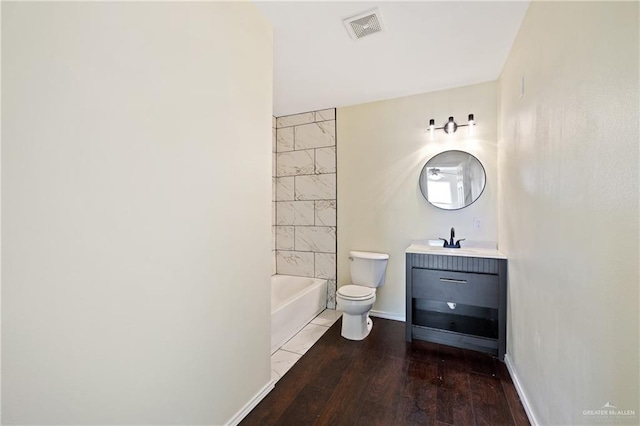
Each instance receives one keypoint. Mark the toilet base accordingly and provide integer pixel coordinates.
(356, 327)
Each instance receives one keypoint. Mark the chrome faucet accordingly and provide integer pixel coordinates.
(450, 243)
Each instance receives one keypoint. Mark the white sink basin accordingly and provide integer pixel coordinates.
(464, 251)
(460, 250)
(436, 249)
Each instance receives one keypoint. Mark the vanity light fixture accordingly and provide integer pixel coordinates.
(451, 126)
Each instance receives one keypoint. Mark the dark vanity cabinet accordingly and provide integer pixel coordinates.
(458, 301)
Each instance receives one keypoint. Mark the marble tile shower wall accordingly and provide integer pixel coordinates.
(273, 195)
(305, 195)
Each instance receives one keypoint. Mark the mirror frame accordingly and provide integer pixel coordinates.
(425, 192)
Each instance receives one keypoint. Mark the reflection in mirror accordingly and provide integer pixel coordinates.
(452, 180)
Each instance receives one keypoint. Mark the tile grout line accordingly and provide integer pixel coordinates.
(286, 350)
(295, 335)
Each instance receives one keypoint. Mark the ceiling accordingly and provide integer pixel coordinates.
(425, 46)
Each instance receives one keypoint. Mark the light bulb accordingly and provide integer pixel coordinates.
(451, 126)
(432, 127)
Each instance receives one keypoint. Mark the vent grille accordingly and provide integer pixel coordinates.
(364, 24)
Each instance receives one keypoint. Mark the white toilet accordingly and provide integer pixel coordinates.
(357, 299)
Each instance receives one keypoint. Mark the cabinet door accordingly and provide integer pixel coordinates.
(460, 287)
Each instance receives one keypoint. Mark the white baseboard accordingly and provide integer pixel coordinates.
(237, 418)
(387, 315)
(523, 396)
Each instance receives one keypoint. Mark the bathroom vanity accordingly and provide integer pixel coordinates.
(457, 297)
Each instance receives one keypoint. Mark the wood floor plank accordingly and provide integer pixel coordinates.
(454, 396)
(421, 375)
(384, 380)
(308, 404)
(490, 405)
(387, 382)
(336, 362)
(391, 338)
(419, 395)
(453, 358)
(387, 335)
(373, 414)
(270, 408)
(478, 362)
(513, 399)
(288, 387)
(348, 396)
(409, 412)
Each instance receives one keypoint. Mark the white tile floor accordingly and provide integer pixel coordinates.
(284, 358)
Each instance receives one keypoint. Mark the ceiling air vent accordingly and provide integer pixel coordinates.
(364, 24)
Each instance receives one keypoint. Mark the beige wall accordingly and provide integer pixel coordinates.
(383, 147)
(568, 167)
(136, 189)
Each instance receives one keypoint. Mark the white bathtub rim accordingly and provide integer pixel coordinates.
(311, 298)
(316, 282)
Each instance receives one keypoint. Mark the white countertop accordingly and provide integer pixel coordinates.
(465, 251)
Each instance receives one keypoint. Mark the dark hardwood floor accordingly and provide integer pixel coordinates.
(383, 380)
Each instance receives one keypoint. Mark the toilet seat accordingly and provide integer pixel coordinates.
(356, 292)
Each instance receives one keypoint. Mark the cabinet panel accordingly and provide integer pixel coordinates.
(460, 287)
(479, 288)
(454, 263)
(454, 323)
(458, 340)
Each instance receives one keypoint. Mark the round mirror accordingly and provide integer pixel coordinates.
(452, 180)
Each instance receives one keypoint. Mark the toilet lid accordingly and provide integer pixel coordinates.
(356, 292)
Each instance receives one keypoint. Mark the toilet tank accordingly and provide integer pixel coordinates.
(368, 269)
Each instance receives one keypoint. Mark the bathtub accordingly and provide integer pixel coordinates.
(294, 302)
